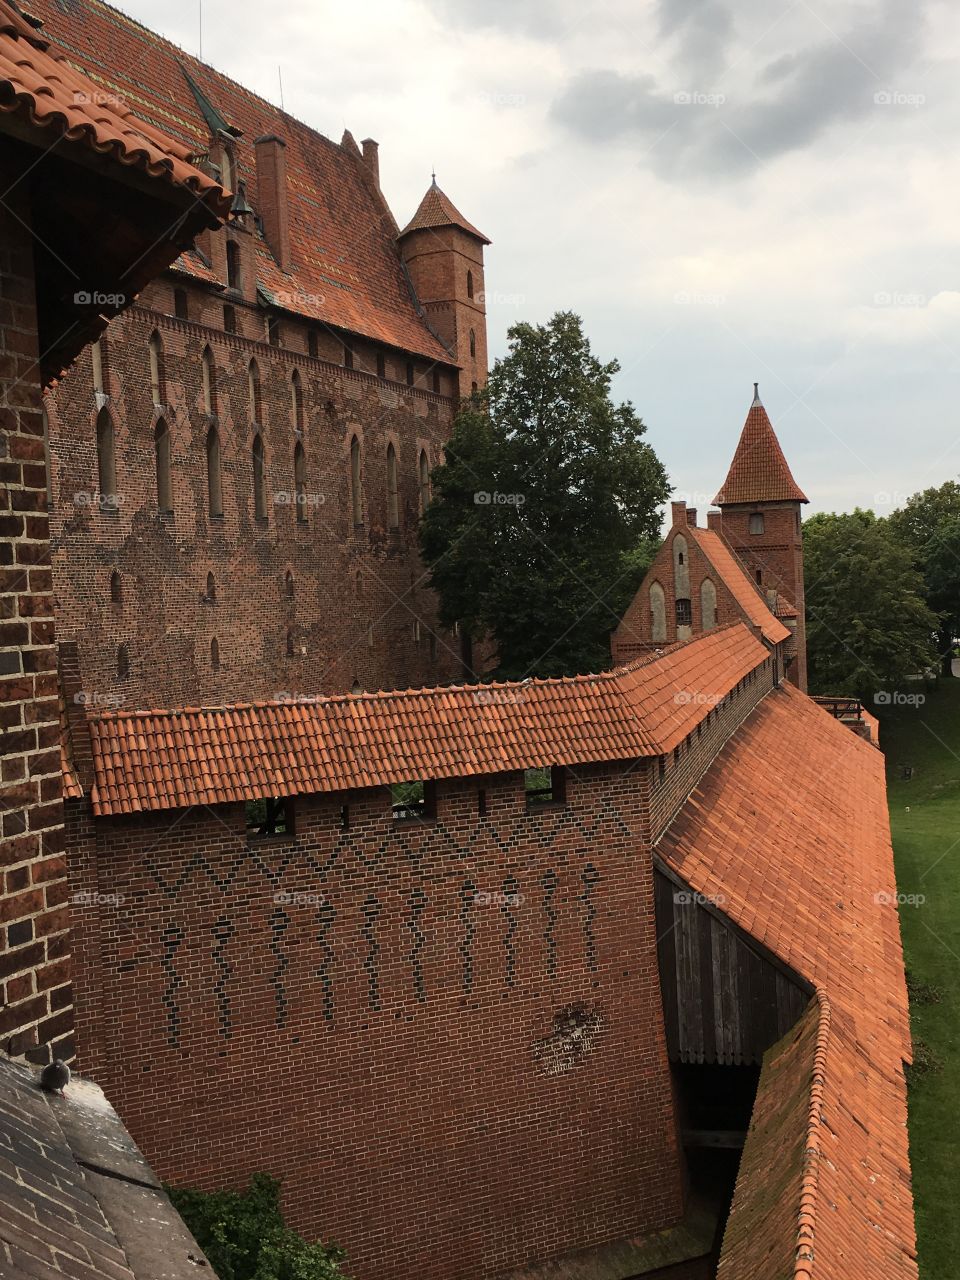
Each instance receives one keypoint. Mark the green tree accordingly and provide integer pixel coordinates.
(245, 1237)
(929, 524)
(868, 625)
(544, 516)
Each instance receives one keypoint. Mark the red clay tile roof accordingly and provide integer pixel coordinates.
(438, 210)
(191, 264)
(783, 608)
(38, 83)
(734, 576)
(761, 1235)
(789, 828)
(347, 270)
(759, 471)
(672, 691)
(171, 759)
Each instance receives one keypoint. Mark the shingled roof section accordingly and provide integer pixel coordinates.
(730, 570)
(759, 472)
(150, 760)
(38, 83)
(438, 210)
(347, 270)
(788, 827)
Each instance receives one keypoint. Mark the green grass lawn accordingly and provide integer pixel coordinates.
(925, 818)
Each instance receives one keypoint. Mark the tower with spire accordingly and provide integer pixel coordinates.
(443, 254)
(760, 503)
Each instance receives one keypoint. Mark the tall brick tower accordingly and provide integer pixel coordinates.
(444, 256)
(760, 501)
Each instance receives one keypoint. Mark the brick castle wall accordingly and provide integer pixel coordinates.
(37, 1015)
(349, 601)
(439, 1034)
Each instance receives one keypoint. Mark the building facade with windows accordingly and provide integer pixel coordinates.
(505, 981)
(238, 467)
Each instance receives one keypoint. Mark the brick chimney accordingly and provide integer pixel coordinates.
(371, 158)
(678, 514)
(272, 196)
(715, 521)
(692, 516)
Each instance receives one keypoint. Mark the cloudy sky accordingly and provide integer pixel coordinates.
(726, 192)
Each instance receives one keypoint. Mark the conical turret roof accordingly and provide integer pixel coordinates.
(438, 210)
(759, 472)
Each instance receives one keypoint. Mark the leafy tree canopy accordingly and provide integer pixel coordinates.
(868, 625)
(544, 516)
(929, 524)
(245, 1237)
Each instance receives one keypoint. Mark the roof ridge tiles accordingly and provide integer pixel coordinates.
(810, 1178)
(771, 626)
(305, 700)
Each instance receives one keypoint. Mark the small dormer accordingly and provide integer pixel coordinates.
(223, 135)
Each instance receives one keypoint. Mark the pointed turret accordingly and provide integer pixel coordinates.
(759, 472)
(760, 503)
(443, 253)
(438, 210)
